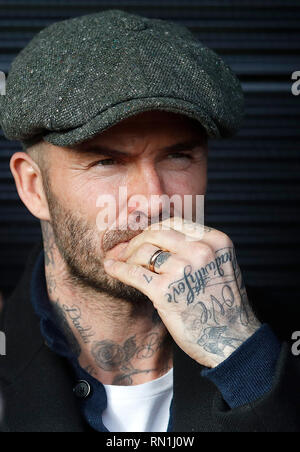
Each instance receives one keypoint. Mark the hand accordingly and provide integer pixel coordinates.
(197, 287)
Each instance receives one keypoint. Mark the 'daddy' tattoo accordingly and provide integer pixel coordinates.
(66, 330)
(74, 314)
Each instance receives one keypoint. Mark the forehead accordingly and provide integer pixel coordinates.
(156, 116)
(148, 123)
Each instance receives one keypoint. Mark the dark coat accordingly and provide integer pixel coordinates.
(37, 385)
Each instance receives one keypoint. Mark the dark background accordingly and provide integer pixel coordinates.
(254, 178)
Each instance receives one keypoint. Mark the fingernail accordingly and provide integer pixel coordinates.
(109, 262)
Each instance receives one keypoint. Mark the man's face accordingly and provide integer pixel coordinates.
(77, 176)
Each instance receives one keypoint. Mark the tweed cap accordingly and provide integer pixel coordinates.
(78, 77)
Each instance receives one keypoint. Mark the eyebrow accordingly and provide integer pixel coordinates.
(103, 150)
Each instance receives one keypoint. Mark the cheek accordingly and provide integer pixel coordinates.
(89, 198)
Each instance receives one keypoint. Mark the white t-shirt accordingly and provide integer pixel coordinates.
(139, 408)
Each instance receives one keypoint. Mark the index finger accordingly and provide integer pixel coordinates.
(166, 240)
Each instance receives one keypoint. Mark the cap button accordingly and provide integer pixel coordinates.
(82, 390)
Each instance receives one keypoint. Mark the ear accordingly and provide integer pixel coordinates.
(29, 183)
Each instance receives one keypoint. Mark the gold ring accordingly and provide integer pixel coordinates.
(153, 260)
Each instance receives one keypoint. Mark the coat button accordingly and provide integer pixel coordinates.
(82, 390)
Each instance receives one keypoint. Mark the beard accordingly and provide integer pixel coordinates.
(79, 245)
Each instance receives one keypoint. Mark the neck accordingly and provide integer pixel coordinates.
(114, 341)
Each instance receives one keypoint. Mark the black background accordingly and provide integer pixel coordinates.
(254, 178)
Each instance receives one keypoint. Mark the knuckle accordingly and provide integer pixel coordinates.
(178, 235)
(181, 262)
(149, 236)
(203, 251)
(224, 239)
(180, 267)
(147, 248)
(134, 271)
(114, 266)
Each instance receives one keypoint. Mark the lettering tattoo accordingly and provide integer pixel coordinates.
(147, 279)
(212, 321)
(162, 258)
(111, 356)
(190, 285)
(74, 314)
(51, 282)
(63, 324)
(49, 244)
(195, 282)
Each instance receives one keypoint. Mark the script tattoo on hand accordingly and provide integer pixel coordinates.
(162, 258)
(147, 279)
(195, 282)
(212, 321)
(111, 356)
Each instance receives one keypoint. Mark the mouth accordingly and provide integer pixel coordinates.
(113, 252)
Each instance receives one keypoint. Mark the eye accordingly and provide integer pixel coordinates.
(105, 162)
(180, 156)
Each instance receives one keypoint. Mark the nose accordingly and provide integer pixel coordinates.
(145, 195)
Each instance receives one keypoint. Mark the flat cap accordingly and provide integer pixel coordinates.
(78, 77)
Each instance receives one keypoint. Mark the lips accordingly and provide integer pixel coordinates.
(120, 238)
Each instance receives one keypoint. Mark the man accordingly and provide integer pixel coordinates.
(130, 328)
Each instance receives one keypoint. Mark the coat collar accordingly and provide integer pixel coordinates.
(36, 379)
